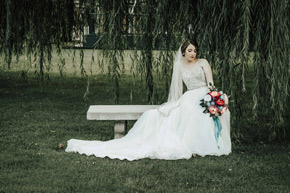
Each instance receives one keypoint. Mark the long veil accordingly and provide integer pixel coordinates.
(176, 86)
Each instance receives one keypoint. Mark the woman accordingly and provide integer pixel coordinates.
(179, 128)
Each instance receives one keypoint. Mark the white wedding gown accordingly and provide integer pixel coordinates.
(174, 131)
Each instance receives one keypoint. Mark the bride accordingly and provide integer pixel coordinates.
(178, 129)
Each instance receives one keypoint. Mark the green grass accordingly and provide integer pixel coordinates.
(34, 123)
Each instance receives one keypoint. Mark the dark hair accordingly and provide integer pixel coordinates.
(186, 43)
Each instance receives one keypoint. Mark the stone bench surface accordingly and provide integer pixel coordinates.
(117, 112)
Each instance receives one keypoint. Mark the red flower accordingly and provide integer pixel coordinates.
(220, 102)
(215, 94)
(213, 110)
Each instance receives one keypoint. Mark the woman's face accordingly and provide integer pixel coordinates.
(190, 53)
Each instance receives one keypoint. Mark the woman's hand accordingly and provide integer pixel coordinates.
(208, 89)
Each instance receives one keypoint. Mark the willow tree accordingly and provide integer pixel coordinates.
(113, 14)
(33, 27)
(246, 43)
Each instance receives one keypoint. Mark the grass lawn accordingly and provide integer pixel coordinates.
(34, 123)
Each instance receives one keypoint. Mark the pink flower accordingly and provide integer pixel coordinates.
(213, 110)
(224, 109)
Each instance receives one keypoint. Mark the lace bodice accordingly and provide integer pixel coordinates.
(194, 79)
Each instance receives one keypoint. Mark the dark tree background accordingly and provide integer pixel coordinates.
(246, 42)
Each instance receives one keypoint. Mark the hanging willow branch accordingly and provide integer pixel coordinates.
(112, 42)
(246, 43)
(278, 55)
(33, 26)
(8, 39)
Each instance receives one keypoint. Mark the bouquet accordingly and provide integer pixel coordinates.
(215, 103)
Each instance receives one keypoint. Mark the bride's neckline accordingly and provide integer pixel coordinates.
(192, 66)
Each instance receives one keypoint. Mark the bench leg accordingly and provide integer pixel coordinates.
(120, 128)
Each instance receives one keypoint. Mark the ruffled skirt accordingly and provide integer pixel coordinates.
(174, 131)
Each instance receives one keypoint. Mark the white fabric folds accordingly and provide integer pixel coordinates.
(175, 131)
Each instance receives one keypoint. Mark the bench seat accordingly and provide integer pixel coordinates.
(119, 113)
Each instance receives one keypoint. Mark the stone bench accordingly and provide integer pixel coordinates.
(119, 113)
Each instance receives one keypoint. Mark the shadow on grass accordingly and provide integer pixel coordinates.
(34, 123)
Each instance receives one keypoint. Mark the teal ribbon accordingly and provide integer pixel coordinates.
(218, 128)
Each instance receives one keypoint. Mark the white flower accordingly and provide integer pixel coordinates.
(207, 98)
